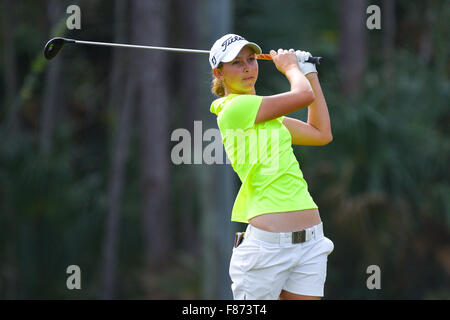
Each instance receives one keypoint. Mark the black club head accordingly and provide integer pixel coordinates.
(53, 47)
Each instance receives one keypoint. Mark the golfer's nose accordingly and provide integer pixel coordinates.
(246, 67)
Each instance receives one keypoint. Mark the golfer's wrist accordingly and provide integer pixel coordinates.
(297, 80)
(293, 74)
(312, 76)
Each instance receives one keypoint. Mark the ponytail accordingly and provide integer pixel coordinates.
(217, 85)
(218, 88)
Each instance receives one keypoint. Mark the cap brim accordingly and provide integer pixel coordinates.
(235, 51)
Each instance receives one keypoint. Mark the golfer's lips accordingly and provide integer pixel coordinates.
(248, 78)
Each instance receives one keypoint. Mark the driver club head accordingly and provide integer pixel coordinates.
(53, 47)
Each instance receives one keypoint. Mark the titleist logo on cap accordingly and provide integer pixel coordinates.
(229, 41)
(226, 48)
(225, 45)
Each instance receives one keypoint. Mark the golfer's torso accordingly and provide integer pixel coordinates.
(260, 150)
(287, 221)
(271, 178)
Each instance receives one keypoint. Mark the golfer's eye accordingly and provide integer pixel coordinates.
(236, 62)
(252, 59)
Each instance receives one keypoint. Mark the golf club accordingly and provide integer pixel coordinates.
(55, 45)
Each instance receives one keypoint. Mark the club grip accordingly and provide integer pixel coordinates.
(265, 56)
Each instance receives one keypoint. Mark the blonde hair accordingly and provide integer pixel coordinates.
(217, 85)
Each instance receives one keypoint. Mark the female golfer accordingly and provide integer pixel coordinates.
(284, 251)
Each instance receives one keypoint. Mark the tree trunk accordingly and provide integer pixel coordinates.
(388, 29)
(150, 70)
(218, 189)
(9, 51)
(425, 44)
(119, 56)
(119, 157)
(10, 64)
(53, 86)
(353, 47)
(9, 266)
(112, 235)
(187, 103)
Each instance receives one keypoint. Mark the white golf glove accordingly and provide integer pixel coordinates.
(305, 67)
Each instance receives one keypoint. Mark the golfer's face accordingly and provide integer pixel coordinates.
(239, 75)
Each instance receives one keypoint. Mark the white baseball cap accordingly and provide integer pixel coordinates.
(228, 47)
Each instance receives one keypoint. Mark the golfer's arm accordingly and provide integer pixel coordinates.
(300, 96)
(317, 131)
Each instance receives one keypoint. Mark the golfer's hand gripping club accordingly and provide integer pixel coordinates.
(305, 66)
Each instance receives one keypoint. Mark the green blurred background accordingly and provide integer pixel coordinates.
(87, 177)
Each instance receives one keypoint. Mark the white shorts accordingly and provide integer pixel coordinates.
(267, 262)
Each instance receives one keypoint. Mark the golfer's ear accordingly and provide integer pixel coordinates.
(218, 73)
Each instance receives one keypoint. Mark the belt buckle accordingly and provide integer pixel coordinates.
(299, 236)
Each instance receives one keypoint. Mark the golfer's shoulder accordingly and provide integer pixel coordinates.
(235, 104)
(242, 103)
(239, 111)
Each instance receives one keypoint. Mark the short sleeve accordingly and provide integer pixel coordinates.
(240, 112)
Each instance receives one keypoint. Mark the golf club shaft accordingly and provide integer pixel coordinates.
(259, 56)
(107, 44)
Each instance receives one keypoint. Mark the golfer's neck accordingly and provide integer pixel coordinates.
(231, 91)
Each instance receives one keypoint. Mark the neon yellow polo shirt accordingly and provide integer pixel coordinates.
(262, 156)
